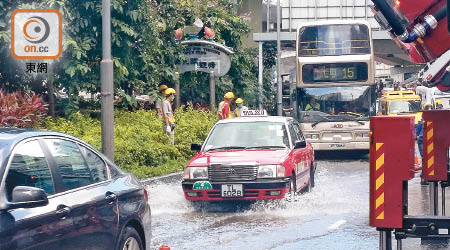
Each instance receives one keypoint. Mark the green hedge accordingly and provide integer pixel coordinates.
(140, 145)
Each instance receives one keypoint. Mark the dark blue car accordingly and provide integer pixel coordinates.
(57, 192)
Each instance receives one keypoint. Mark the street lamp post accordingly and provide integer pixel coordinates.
(212, 90)
(177, 89)
(279, 83)
(107, 83)
(260, 75)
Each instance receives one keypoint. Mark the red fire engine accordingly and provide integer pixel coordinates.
(422, 30)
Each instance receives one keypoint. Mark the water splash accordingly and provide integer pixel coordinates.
(341, 193)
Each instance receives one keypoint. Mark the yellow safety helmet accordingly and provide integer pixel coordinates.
(438, 102)
(170, 91)
(239, 100)
(427, 106)
(162, 87)
(229, 95)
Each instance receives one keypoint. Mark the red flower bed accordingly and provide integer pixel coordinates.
(21, 110)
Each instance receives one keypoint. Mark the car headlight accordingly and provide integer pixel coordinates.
(362, 134)
(194, 173)
(312, 136)
(186, 173)
(271, 171)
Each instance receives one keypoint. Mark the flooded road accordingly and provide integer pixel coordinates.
(333, 216)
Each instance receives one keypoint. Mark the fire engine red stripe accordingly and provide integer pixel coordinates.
(379, 162)
(430, 147)
(430, 160)
(379, 191)
(379, 150)
(429, 132)
(380, 216)
(430, 135)
(430, 171)
(379, 201)
(379, 171)
(379, 210)
(379, 181)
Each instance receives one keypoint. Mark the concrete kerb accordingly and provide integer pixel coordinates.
(169, 178)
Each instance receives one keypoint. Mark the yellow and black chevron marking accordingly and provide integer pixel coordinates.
(379, 183)
(429, 149)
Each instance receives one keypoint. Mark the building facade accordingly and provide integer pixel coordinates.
(262, 17)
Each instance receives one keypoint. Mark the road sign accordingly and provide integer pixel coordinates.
(206, 56)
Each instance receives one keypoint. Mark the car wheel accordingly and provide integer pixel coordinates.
(292, 188)
(308, 187)
(130, 240)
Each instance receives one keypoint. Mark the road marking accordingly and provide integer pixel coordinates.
(336, 225)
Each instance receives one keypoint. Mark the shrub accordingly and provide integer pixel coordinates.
(140, 145)
(21, 110)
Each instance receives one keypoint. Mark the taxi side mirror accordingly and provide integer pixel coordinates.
(300, 144)
(196, 146)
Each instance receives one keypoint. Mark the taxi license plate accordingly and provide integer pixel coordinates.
(232, 190)
(337, 145)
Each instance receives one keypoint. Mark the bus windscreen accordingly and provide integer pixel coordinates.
(333, 40)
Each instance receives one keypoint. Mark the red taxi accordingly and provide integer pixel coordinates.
(250, 158)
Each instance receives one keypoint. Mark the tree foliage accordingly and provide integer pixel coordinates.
(143, 48)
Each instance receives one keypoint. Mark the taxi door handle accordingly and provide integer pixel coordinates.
(62, 211)
(111, 197)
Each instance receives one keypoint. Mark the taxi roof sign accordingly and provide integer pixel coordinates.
(254, 113)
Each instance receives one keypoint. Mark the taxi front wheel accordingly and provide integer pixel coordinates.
(308, 187)
(292, 189)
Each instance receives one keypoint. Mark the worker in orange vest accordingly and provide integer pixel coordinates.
(160, 99)
(224, 111)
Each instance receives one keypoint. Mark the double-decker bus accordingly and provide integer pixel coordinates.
(335, 83)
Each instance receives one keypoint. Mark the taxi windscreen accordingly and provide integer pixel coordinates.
(244, 135)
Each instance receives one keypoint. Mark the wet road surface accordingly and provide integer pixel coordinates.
(334, 216)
